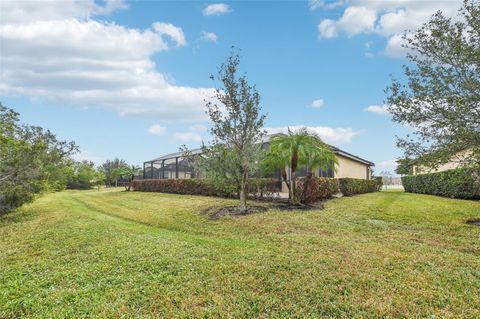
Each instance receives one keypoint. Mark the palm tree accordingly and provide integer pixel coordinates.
(295, 150)
(128, 172)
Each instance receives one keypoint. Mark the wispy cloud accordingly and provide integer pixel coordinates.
(317, 103)
(329, 135)
(172, 31)
(187, 137)
(209, 36)
(377, 109)
(216, 9)
(156, 129)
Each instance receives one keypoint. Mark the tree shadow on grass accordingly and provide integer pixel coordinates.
(16, 216)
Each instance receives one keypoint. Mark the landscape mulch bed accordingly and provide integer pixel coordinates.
(283, 205)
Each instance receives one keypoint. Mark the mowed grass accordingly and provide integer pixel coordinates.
(125, 254)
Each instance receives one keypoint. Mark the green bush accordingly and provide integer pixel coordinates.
(353, 186)
(181, 186)
(313, 189)
(454, 183)
(261, 187)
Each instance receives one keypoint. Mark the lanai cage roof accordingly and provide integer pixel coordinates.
(265, 139)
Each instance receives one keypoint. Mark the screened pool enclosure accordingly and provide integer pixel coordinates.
(176, 166)
(171, 166)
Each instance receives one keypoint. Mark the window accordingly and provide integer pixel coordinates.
(325, 173)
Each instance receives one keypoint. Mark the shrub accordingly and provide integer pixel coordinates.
(313, 189)
(353, 186)
(455, 183)
(181, 186)
(261, 187)
(379, 180)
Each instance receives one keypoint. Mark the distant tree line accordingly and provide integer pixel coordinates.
(33, 161)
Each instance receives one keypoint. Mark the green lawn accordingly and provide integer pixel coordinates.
(124, 254)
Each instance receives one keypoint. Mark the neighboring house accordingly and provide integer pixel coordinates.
(461, 159)
(172, 166)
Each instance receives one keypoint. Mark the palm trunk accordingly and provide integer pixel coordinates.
(294, 187)
(293, 176)
(283, 173)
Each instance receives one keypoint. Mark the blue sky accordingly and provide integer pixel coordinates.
(128, 79)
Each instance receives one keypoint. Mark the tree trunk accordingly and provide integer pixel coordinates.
(243, 192)
(293, 169)
(116, 182)
(283, 172)
(294, 186)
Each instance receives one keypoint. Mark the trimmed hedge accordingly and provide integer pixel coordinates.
(455, 183)
(179, 186)
(319, 188)
(354, 186)
(259, 186)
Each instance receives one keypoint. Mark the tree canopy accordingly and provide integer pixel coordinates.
(32, 160)
(441, 97)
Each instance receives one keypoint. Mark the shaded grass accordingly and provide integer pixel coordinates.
(119, 254)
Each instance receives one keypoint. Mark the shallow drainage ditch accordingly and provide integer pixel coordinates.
(474, 222)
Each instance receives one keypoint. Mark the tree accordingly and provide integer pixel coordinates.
(295, 150)
(441, 97)
(32, 160)
(110, 167)
(234, 153)
(84, 175)
(404, 166)
(98, 178)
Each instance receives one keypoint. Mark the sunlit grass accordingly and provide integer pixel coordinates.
(110, 253)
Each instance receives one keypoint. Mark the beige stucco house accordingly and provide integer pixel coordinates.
(460, 159)
(172, 166)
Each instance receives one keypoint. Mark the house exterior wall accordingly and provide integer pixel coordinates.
(458, 160)
(347, 167)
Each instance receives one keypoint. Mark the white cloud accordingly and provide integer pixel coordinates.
(187, 137)
(27, 11)
(317, 4)
(209, 36)
(89, 63)
(394, 47)
(172, 31)
(216, 9)
(156, 129)
(382, 110)
(353, 21)
(327, 29)
(329, 135)
(389, 19)
(317, 103)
